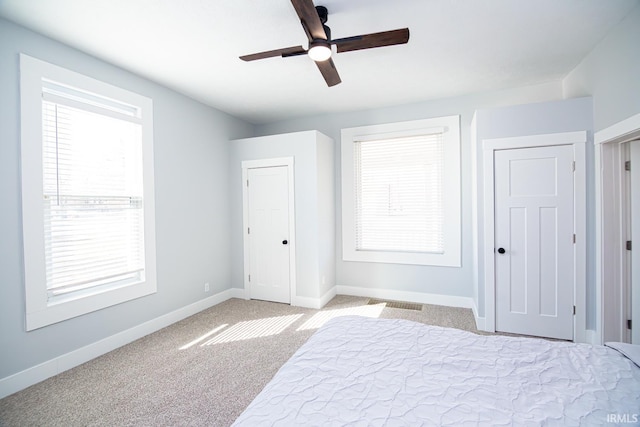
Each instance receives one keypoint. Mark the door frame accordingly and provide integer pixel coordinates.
(267, 163)
(489, 146)
(610, 263)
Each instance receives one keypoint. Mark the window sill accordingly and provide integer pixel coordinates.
(445, 259)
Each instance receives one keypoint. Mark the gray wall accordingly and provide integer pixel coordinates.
(325, 151)
(435, 280)
(611, 74)
(192, 219)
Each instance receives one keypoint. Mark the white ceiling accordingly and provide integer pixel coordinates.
(456, 47)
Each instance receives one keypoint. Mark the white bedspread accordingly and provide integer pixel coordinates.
(360, 371)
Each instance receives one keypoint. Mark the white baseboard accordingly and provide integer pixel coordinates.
(41, 372)
(239, 293)
(592, 337)
(407, 296)
(328, 296)
(306, 302)
(480, 321)
(316, 303)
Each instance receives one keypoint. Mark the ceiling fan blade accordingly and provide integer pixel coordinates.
(287, 51)
(368, 41)
(309, 19)
(329, 72)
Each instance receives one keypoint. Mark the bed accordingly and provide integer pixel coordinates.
(362, 371)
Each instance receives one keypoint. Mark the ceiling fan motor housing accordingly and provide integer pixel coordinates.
(322, 13)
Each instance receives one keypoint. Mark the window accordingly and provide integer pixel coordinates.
(87, 189)
(401, 192)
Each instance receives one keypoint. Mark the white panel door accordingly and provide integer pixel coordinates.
(534, 256)
(268, 206)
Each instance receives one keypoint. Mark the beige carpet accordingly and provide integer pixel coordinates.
(202, 371)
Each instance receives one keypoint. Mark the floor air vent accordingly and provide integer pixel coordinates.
(396, 304)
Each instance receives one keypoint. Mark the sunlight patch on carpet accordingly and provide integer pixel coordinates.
(254, 329)
(323, 317)
(203, 337)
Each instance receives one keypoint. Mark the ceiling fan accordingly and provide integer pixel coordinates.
(313, 20)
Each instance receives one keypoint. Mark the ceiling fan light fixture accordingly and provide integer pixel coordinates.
(319, 50)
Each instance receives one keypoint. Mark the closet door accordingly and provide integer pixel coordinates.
(268, 232)
(534, 238)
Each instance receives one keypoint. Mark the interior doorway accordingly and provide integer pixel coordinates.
(617, 205)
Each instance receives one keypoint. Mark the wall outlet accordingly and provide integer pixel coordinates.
(206, 287)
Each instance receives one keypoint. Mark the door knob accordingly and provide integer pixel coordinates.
(284, 242)
(501, 250)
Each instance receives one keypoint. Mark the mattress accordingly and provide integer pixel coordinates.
(361, 371)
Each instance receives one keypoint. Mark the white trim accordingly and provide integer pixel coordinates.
(451, 257)
(306, 302)
(389, 294)
(266, 163)
(240, 293)
(591, 337)
(480, 321)
(328, 296)
(619, 132)
(39, 311)
(408, 296)
(608, 237)
(631, 291)
(489, 240)
(596, 336)
(580, 248)
(316, 303)
(489, 146)
(475, 224)
(529, 141)
(41, 372)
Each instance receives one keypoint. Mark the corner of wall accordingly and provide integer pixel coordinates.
(480, 321)
(609, 74)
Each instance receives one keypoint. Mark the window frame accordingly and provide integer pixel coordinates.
(39, 310)
(451, 256)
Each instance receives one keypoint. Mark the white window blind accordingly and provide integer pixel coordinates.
(93, 193)
(399, 194)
